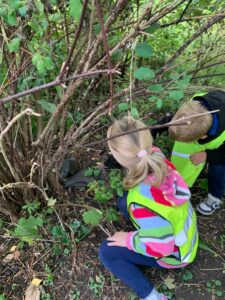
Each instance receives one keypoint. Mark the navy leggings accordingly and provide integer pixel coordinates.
(124, 263)
(216, 180)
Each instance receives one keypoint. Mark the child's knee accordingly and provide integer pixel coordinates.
(103, 252)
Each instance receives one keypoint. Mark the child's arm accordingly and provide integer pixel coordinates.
(155, 237)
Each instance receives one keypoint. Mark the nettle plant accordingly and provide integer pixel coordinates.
(103, 192)
(158, 94)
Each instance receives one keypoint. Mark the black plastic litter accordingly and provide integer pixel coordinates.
(78, 180)
(111, 163)
(69, 167)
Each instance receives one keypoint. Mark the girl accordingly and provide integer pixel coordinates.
(158, 204)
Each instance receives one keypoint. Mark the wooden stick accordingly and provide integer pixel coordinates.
(173, 123)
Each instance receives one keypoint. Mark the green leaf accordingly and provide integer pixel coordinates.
(155, 88)
(92, 217)
(144, 73)
(41, 67)
(89, 171)
(36, 57)
(219, 293)
(134, 112)
(75, 9)
(159, 103)
(23, 11)
(176, 95)
(152, 28)
(27, 229)
(123, 106)
(204, 246)
(11, 19)
(2, 297)
(183, 83)
(48, 63)
(143, 50)
(111, 215)
(14, 45)
(3, 12)
(97, 28)
(187, 275)
(152, 98)
(47, 106)
(217, 283)
(39, 6)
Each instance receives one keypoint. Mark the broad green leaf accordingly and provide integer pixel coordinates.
(176, 95)
(75, 9)
(14, 3)
(183, 83)
(23, 11)
(36, 57)
(143, 50)
(92, 217)
(144, 73)
(159, 103)
(14, 45)
(111, 215)
(11, 19)
(134, 112)
(39, 6)
(27, 229)
(47, 106)
(152, 28)
(48, 63)
(123, 106)
(3, 12)
(155, 88)
(41, 67)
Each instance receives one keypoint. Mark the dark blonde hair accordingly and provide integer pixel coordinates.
(197, 127)
(125, 149)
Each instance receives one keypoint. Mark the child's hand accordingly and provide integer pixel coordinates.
(118, 239)
(198, 158)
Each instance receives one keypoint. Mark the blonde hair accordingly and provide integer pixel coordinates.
(125, 149)
(198, 126)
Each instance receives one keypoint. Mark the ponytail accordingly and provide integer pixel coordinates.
(134, 151)
(152, 164)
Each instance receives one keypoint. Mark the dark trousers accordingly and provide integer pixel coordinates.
(124, 263)
(216, 180)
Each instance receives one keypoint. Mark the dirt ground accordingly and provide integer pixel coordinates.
(80, 275)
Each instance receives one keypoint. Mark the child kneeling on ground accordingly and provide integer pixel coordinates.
(158, 203)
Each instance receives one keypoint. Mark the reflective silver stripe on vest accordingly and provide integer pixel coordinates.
(180, 154)
(187, 256)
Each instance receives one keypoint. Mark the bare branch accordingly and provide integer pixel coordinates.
(53, 83)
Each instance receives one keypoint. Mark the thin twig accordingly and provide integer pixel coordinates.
(104, 35)
(172, 123)
(67, 62)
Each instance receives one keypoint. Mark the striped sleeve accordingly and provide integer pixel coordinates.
(155, 237)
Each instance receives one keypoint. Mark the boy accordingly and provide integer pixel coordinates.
(202, 141)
